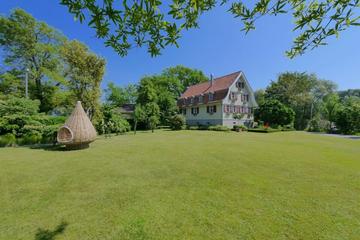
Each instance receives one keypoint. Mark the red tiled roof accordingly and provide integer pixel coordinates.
(218, 84)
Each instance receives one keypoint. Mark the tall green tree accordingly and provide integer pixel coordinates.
(300, 91)
(84, 71)
(117, 96)
(331, 104)
(178, 78)
(157, 24)
(28, 43)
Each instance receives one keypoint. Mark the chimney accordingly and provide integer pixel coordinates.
(211, 79)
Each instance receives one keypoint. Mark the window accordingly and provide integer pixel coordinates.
(201, 98)
(211, 96)
(240, 85)
(192, 100)
(184, 111)
(195, 111)
(245, 97)
(233, 96)
(211, 109)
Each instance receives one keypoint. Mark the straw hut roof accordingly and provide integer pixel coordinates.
(78, 128)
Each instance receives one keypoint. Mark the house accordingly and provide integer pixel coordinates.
(220, 101)
(127, 111)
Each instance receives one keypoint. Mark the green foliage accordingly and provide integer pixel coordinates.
(111, 122)
(259, 96)
(152, 111)
(219, 128)
(84, 71)
(30, 138)
(8, 139)
(275, 113)
(238, 128)
(302, 92)
(181, 77)
(317, 125)
(164, 89)
(28, 43)
(127, 25)
(20, 117)
(348, 116)
(118, 96)
(177, 122)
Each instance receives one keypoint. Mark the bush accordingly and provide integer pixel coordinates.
(317, 125)
(8, 139)
(112, 122)
(238, 128)
(219, 128)
(177, 122)
(29, 139)
(192, 127)
(348, 116)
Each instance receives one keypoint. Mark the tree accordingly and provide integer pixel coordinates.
(28, 43)
(259, 96)
(274, 112)
(299, 91)
(118, 96)
(348, 115)
(125, 25)
(330, 106)
(152, 111)
(165, 88)
(139, 116)
(146, 92)
(84, 71)
(180, 77)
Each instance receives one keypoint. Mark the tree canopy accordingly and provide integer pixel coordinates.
(157, 24)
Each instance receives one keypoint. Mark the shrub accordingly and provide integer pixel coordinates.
(8, 139)
(348, 116)
(317, 125)
(238, 128)
(177, 122)
(219, 128)
(112, 122)
(193, 127)
(29, 139)
(275, 113)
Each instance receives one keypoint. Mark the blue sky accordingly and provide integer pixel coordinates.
(218, 47)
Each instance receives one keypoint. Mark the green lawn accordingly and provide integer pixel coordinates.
(185, 185)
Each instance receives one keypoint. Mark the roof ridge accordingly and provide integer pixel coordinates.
(215, 79)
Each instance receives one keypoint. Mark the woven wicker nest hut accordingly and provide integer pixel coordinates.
(78, 130)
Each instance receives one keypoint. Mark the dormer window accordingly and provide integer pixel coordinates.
(211, 96)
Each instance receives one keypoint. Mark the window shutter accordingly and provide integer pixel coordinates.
(215, 109)
(207, 109)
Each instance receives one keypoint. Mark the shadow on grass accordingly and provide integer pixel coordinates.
(51, 147)
(45, 234)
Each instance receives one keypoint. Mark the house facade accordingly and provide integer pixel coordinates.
(227, 100)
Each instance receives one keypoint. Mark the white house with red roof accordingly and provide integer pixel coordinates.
(219, 101)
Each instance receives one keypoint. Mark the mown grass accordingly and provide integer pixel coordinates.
(185, 185)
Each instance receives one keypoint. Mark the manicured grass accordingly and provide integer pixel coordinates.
(185, 185)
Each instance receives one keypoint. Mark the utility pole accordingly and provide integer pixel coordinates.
(26, 82)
